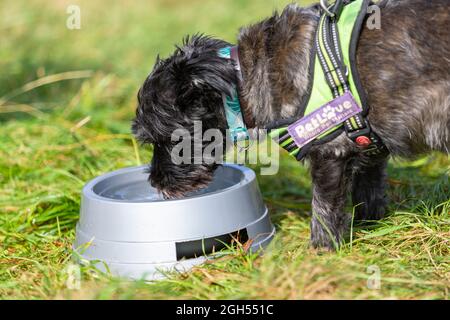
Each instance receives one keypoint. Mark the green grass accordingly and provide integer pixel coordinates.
(56, 136)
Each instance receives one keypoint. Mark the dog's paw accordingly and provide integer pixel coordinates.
(329, 235)
(373, 210)
(322, 241)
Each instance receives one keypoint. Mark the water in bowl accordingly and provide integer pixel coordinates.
(140, 190)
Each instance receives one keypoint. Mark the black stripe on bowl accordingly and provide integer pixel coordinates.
(202, 247)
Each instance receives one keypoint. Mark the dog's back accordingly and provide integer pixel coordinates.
(405, 68)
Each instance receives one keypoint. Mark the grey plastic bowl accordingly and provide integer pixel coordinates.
(126, 227)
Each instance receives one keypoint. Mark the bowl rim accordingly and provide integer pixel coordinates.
(88, 190)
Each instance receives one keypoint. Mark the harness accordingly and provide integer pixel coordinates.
(336, 100)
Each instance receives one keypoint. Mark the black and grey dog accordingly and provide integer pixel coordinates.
(404, 68)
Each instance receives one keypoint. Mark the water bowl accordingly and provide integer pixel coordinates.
(127, 228)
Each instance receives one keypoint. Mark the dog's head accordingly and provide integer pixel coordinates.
(185, 88)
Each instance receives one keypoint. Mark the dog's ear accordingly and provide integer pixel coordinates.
(204, 72)
(139, 123)
(198, 68)
(185, 87)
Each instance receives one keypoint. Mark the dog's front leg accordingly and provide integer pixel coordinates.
(369, 190)
(330, 183)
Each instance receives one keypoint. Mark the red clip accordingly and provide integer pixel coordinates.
(363, 141)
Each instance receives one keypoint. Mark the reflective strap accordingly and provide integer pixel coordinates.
(324, 58)
(329, 53)
(355, 123)
(284, 140)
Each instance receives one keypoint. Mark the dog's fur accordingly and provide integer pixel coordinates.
(404, 68)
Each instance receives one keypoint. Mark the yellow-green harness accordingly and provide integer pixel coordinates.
(333, 72)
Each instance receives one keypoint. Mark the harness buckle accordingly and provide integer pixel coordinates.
(353, 135)
(367, 140)
(363, 141)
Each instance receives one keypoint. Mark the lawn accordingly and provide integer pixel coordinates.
(66, 101)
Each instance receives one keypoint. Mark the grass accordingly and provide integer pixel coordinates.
(66, 101)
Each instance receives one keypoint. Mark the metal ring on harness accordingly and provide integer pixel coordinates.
(324, 5)
(249, 144)
(245, 150)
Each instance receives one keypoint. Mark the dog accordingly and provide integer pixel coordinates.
(405, 70)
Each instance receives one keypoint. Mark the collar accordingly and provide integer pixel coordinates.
(232, 105)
